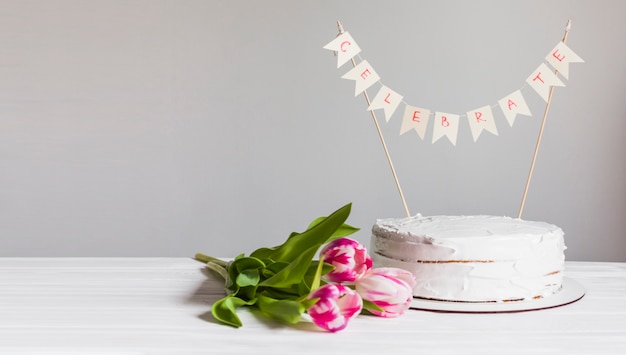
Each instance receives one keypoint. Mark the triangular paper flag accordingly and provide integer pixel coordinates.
(446, 124)
(386, 99)
(481, 119)
(415, 118)
(542, 79)
(363, 75)
(561, 56)
(345, 47)
(513, 105)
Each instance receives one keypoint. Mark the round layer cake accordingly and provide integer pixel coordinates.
(473, 258)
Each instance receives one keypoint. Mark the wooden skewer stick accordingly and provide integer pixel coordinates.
(382, 139)
(543, 123)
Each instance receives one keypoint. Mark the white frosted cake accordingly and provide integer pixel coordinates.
(473, 258)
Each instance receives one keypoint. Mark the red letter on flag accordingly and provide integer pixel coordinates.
(510, 104)
(416, 117)
(444, 121)
(557, 56)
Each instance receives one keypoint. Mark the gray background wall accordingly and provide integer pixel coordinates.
(149, 128)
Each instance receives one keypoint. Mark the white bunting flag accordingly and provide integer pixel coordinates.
(446, 124)
(512, 105)
(363, 75)
(542, 79)
(345, 47)
(415, 118)
(386, 99)
(561, 56)
(481, 119)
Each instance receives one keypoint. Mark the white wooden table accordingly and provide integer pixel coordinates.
(162, 306)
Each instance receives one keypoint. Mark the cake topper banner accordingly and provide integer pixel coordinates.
(447, 124)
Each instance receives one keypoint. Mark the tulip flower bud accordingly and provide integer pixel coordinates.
(349, 258)
(390, 289)
(335, 306)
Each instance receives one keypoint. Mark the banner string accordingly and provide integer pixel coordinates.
(432, 113)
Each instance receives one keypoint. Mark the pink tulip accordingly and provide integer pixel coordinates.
(391, 289)
(349, 258)
(335, 306)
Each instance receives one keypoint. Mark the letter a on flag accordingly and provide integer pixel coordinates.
(561, 56)
(345, 47)
(512, 105)
(481, 119)
(364, 76)
(446, 124)
(386, 99)
(542, 79)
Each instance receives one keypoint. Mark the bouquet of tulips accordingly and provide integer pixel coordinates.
(285, 282)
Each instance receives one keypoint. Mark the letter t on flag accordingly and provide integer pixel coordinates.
(386, 99)
(345, 47)
(542, 79)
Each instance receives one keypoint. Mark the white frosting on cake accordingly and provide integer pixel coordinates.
(473, 258)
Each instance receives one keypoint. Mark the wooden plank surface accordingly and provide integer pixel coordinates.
(162, 306)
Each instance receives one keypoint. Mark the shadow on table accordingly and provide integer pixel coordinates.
(213, 288)
(210, 290)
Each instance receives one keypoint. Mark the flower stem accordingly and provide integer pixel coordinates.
(318, 274)
(209, 259)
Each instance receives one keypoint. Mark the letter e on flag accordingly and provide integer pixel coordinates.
(561, 56)
(363, 75)
(415, 118)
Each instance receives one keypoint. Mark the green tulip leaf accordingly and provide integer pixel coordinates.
(273, 268)
(248, 278)
(294, 272)
(289, 311)
(224, 310)
(244, 271)
(278, 293)
(313, 275)
(317, 235)
(246, 263)
(343, 231)
(308, 302)
(371, 306)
